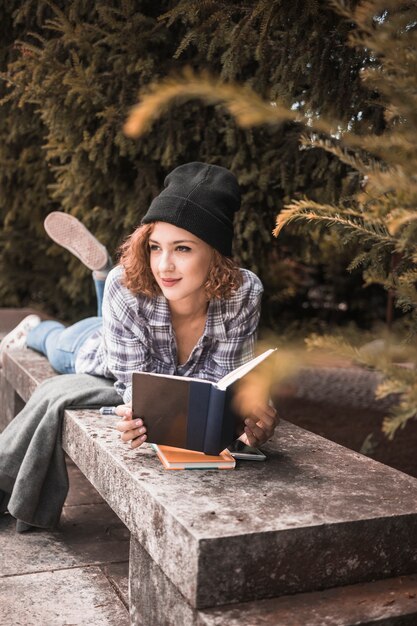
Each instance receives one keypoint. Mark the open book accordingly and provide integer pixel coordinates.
(190, 413)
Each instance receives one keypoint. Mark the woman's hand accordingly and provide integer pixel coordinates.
(131, 429)
(260, 425)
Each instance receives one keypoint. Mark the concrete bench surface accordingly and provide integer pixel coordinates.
(314, 515)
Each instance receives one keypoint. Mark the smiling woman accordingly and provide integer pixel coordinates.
(175, 304)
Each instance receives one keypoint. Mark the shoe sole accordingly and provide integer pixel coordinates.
(67, 231)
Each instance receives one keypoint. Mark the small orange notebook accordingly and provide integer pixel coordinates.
(178, 458)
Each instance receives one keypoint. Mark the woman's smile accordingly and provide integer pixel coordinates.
(170, 282)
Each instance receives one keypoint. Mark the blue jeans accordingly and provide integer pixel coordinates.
(60, 343)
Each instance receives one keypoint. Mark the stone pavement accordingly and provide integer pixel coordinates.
(72, 576)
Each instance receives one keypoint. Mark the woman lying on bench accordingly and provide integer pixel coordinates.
(175, 304)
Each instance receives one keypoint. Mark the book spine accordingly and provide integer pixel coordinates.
(232, 426)
(214, 422)
(198, 408)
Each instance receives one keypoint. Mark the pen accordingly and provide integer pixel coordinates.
(108, 410)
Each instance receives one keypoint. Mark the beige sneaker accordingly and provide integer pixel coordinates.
(16, 338)
(67, 231)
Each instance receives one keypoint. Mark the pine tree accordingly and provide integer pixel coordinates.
(24, 176)
(63, 79)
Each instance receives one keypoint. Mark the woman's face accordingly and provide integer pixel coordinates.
(180, 262)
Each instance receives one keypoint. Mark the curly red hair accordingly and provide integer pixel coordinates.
(223, 278)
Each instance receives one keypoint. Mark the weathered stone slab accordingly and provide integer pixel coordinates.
(391, 602)
(305, 519)
(25, 369)
(80, 491)
(73, 597)
(10, 402)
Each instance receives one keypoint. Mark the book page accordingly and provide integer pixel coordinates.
(175, 377)
(241, 371)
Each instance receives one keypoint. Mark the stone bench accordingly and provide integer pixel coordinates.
(317, 530)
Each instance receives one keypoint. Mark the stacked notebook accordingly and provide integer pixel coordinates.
(178, 458)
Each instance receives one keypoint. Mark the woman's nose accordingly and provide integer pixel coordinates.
(166, 262)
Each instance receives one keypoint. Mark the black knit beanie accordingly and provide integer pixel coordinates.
(202, 199)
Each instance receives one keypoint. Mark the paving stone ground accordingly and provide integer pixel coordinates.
(72, 576)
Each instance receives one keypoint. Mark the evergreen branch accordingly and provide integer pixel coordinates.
(23, 45)
(381, 175)
(340, 9)
(405, 293)
(359, 260)
(409, 277)
(62, 18)
(262, 10)
(58, 27)
(186, 41)
(241, 102)
(7, 79)
(192, 11)
(390, 387)
(313, 212)
(398, 218)
(363, 162)
(336, 345)
(266, 22)
(176, 12)
(364, 14)
(385, 142)
(381, 354)
(398, 421)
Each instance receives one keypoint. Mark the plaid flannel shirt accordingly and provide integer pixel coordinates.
(137, 335)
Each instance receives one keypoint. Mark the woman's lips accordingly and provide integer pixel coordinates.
(170, 282)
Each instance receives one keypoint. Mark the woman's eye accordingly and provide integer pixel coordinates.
(183, 249)
(153, 247)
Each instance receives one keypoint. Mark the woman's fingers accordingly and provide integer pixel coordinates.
(135, 443)
(261, 425)
(136, 436)
(132, 434)
(128, 424)
(131, 429)
(266, 417)
(254, 431)
(124, 410)
(249, 439)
